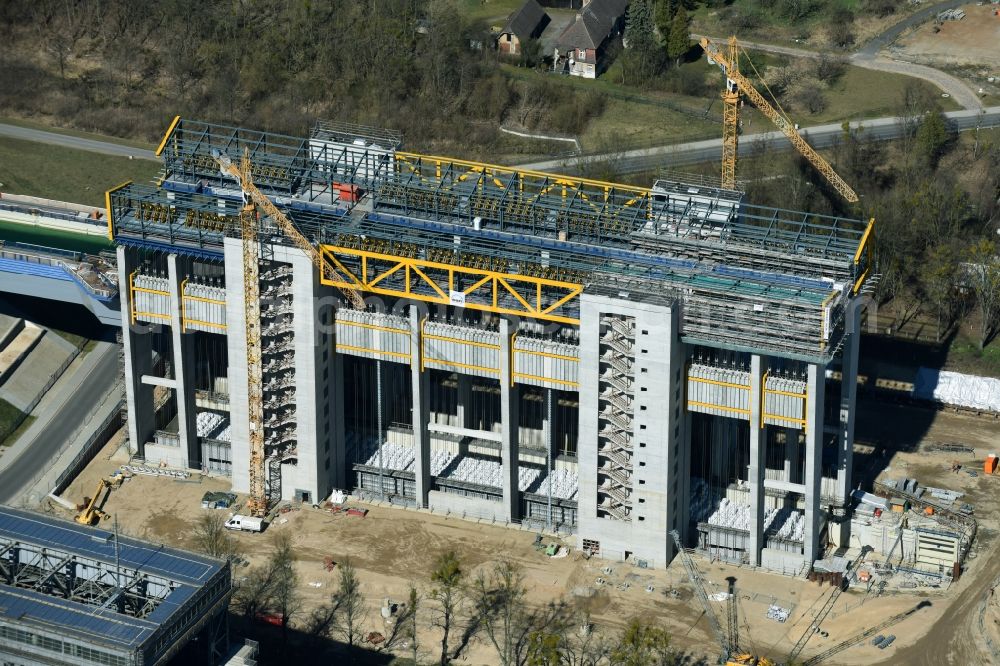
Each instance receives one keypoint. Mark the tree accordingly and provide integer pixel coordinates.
(984, 277)
(642, 644)
(447, 578)
(680, 36)
(663, 17)
(414, 602)
(514, 629)
(212, 538)
(939, 278)
(285, 597)
(932, 138)
(349, 604)
(842, 27)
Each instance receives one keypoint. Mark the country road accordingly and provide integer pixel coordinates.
(819, 136)
(868, 55)
(77, 142)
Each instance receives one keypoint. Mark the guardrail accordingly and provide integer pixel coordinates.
(33, 210)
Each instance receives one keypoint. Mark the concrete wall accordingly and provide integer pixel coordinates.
(657, 497)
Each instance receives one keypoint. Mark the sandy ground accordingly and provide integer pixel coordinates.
(392, 547)
(969, 48)
(975, 40)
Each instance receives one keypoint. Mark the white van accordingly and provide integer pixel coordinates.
(245, 523)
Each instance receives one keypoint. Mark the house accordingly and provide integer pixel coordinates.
(526, 23)
(582, 45)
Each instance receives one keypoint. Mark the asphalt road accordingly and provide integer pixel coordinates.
(820, 136)
(67, 413)
(80, 143)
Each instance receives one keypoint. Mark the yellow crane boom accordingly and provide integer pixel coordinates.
(787, 127)
(257, 505)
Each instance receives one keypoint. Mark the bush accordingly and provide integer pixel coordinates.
(829, 69)
(880, 8)
(812, 98)
(842, 27)
(796, 10)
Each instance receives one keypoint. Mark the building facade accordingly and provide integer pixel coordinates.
(608, 360)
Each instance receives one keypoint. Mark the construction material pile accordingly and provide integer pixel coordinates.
(210, 424)
(781, 523)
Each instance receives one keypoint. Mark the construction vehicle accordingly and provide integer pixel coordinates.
(862, 636)
(260, 501)
(737, 85)
(245, 523)
(813, 627)
(729, 642)
(91, 514)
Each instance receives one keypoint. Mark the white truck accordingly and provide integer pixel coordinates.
(245, 523)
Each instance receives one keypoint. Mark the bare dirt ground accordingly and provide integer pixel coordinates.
(392, 547)
(969, 48)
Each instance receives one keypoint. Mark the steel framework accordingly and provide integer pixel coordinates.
(447, 231)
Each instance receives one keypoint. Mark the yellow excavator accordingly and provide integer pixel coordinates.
(92, 513)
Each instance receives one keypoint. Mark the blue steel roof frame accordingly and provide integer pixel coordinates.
(96, 543)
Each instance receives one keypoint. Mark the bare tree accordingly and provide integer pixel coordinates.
(285, 598)
(212, 538)
(515, 630)
(349, 604)
(412, 609)
(447, 578)
(984, 278)
(584, 646)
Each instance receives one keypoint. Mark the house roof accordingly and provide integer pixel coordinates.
(525, 20)
(592, 26)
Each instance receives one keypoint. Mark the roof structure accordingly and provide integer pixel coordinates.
(594, 24)
(749, 277)
(87, 584)
(527, 21)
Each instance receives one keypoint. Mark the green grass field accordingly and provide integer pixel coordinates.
(10, 419)
(491, 11)
(65, 174)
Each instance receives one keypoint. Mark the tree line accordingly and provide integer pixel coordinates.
(936, 203)
(441, 617)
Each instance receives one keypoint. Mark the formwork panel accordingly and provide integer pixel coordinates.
(374, 335)
(471, 351)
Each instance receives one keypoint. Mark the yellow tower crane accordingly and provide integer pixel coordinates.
(736, 84)
(258, 502)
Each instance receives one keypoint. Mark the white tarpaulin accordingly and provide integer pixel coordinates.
(953, 388)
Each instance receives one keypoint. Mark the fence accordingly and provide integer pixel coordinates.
(108, 426)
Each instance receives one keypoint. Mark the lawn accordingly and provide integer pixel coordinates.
(66, 174)
(492, 11)
(10, 418)
(857, 94)
(965, 356)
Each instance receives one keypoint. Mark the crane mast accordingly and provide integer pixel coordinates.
(257, 505)
(735, 85)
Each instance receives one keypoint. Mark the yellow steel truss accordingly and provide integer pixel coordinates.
(536, 297)
(864, 258)
(528, 186)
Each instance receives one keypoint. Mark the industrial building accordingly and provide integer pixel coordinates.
(613, 361)
(74, 594)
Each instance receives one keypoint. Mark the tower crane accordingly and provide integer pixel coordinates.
(737, 84)
(257, 505)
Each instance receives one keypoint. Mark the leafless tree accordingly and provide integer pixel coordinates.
(212, 538)
(984, 278)
(513, 628)
(349, 603)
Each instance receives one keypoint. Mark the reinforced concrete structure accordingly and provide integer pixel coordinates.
(73, 594)
(610, 360)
